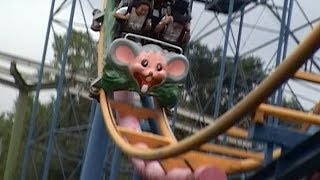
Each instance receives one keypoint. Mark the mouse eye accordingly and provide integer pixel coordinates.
(144, 62)
(159, 67)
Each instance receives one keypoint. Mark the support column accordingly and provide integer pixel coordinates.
(236, 61)
(93, 164)
(116, 163)
(223, 61)
(277, 97)
(57, 103)
(34, 111)
(14, 154)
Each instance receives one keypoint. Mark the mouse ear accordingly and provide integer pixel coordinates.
(177, 67)
(123, 51)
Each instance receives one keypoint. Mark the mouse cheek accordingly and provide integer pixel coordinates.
(136, 68)
(161, 75)
(164, 74)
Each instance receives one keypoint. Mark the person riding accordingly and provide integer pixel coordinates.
(161, 7)
(136, 18)
(175, 27)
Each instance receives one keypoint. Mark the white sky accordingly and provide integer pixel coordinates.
(23, 29)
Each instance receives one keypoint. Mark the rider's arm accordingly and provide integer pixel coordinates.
(164, 21)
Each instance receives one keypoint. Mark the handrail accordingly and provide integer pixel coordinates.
(154, 40)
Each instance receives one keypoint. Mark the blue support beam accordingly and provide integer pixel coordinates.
(93, 107)
(223, 61)
(35, 103)
(147, 102)
(92, 167)
(136, 176)
(236, 61)
(57, 103)
(115, 165)
(278, 95)
(281, 136)
(301, 161)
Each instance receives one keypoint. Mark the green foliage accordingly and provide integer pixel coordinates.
(69, 140)
(81, 53)
(73, 113)
(201, 84)
(74, 110)
(204, 74)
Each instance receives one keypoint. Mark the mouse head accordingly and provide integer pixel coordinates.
(149, 65)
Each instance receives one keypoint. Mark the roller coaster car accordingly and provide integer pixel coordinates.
(222, 6)
(152, 67)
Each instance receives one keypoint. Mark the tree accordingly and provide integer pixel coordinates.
(6, 126)
(81, 53)
(201, 84)
(74, 110)
(204, 74)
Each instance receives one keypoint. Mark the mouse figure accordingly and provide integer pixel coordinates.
(146, 69)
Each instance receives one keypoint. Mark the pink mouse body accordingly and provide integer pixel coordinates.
(150, 66)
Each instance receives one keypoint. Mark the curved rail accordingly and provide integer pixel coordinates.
(281, 74)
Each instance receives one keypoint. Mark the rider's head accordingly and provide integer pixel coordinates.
(142, 8)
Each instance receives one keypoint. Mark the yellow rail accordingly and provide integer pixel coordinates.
(311, 77)
(289, 114)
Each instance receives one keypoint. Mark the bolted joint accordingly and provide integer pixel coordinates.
(95, 87)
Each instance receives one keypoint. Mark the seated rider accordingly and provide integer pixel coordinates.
(161, 7)
(175, 28)
(136, 18)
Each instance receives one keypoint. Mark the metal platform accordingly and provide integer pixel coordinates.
(222, 6)
(303, 160)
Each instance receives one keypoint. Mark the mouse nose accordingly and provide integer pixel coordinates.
(150, 73)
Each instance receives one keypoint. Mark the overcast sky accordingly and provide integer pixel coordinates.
(23, 27)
